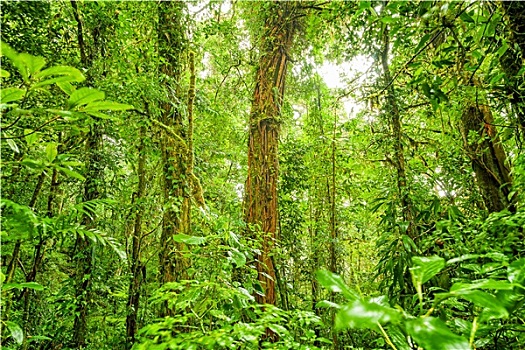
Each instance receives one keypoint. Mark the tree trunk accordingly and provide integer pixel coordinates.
(94, 178)
(512, 61)
(515, 11)
(261, 183)
(399, 156)
(488, 157)
(172, 44)
(136, 263)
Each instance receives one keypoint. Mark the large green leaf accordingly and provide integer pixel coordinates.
(482, 284)
(33, 64)
(424, 268)
(432, 334)
(16, 332)
(335, 283)
(29, 285)
(183, 238)
(366, 314)
(107, 106)
(61, 70)
(11, 94)
(84, 96)
(516, 271)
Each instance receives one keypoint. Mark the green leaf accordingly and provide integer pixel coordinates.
(422, 42)
(238, 257)
(465, 17)
(366, 314)
(12, 144)
(4, 73)
(101, 115)
(11, 94)
(482, 284)
(424, 268)
(71, 173)
(51, 151)
(31, 137)
(516, 271)
(66, 87)
(183, 238)
(33, 164)
(432, 334)
(64, 79)
(62, 70)
(485, 300)
(84, 96)
(335, 283)
(29, 285)
(16, 332)
(327, 304)
(107, 105)
(33, 64)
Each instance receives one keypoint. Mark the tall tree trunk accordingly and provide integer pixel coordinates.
(515, 11)
(94, 178)
(136, 262)
(172, 44)
(488, 157)
(261, 183)
(513, 59)
(399, 155)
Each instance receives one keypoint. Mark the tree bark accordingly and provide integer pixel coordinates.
(136, 262)
(261, 213)
(172, 44)
(399, 155)
(488, 157)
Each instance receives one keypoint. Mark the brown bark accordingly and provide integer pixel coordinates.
(261, 184)
(172, 44)
(488, 157)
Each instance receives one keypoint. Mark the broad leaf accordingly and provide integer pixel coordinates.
(84, 96)
(71, 173)
(62, 70)
(482, 284)
(11, 94)
(29, 285)
(107, 106)
(516, 271)
(33, 64)
(51, 151)
(365, 314)
(16, 332)
(183, 238)
(432, 334)
(335, 283)
(4, 73)
(238, 257)
(424, 268)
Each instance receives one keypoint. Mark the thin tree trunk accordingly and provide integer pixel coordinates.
(136, 263)
(94, 178)
(261, 212)
(399, 155)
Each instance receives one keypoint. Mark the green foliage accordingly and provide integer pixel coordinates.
(487, 300)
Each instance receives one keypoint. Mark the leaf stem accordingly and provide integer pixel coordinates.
(387, 338)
